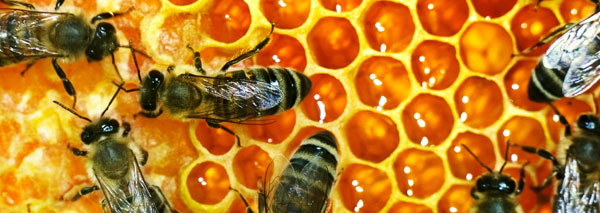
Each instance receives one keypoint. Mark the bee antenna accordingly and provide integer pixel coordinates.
(505, 156)
(476, 158)
(72, 111)
(133, 51)
(112, 99)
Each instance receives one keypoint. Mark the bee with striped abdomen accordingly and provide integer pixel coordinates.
(238, 96)
(496, 192)
(112, 160)
(305, 184)
(29, 35)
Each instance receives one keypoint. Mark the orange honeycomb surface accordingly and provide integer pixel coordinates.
(401, 84)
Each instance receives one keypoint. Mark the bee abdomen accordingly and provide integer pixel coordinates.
(545, 85)
(294, 85)
(16, 26)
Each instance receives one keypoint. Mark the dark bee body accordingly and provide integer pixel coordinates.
(545, 84)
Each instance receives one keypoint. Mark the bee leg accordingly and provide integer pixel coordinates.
(248, 209)
(170, 68)
(544, 154)
(197, 60)
(112, 56)
(473, 193)
(17, 3)
(78, 152)
(59, 3)
(521, 180)
(547, 39)
(144, 157)
(107, 15)
(217, 125)
(250, 53)
(27, 66)
(562, 120)
(66, 83)
(85, 191)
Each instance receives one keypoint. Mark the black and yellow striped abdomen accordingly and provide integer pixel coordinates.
(545, 84)
(17, 29)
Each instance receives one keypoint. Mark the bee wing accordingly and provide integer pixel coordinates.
(582, 75)
(132, 196)
(572, 44)
(29, 45)
(573, 195)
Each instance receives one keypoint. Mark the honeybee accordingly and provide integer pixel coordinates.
(496, 192)
(571, 64)
(112, 160)
(239, 96)
(29, 35)
(305, 184)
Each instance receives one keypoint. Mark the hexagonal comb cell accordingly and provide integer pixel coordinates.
(277, 127)
(427, 120)
(250, 165)
(286, 14)
(516, 82)
(227, 20)
(340, 5)
(493, 8)
(523, 131)
(478, 102)
(216, 141)
(400, 207)
(530, 25)
(456, 199)
(208, 183)
(462, 164)
(326, 100)
(419, 173)
(575, 10)
(333, 42)
(174, 32)
(485, 48)
(383, 82)
(371, 136)
(442, 18)
(283, 51)
(434, 64)
(364, 188)
(389, 26)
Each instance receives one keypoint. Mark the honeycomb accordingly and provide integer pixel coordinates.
(434, 73)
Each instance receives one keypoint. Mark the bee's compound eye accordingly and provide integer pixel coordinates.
(482, 185)
(588, 122)
(87, 136)
(111, 126)
(156, 78)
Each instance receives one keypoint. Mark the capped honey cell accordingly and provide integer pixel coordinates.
(383, 82)
(286, 14)
(530, 25)
(441, 17)
(524, 131)
(371, 136)
(427, 120)
(283, 51)
(340, 5)
(575, 10)
(516, 82)
(389, 26)
(275, 129)
(479, 102)
(250, 165)
(333, 42)
(485, 48)
(456, 199)
(226, 20)
(493, 8)
(216, 140)
(462, 164)
(326, 100)
(364, 188)
(419, 173)
(571, 109)
(434, 64)
(208, 183)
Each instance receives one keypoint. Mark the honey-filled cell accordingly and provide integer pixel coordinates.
(427, 120)
(326, 100)
(371, 136)
(208, 183)
(364, 188)
(340, 5)
(442, 17)
(389, 26)
(524, 131)
(383, 82)
(283, 51)
(434, 64)
(486, 48)
(286, 14)
(530, 25)
(401, 207)
(216, 140)
(456, 199)
(576, 10)
(493, 8)
(527, 194)
(333, 42)
(226, 20)
(462, 164)
(273, 129)
(571, 109)
(479, 102)
(419, 173)
(182, 2)
(250, 166)
(516, 82)
(238, 204)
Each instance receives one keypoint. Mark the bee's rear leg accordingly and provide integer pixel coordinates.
(250, 53)
(66, 83)
(197, 60)
(214, 124)
(562, 119)
(521, 180)
(85, 191)
(18, 3)
(27, 66)
(547, 39)
(248, 209)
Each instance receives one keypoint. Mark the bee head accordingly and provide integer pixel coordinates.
(103, 127)
(589, 122)
(496, 182)
(149, 92)
(104, 42)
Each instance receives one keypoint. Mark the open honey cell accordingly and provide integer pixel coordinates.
(532, 24)
(434, 64)
(383, 82)
(441, 17)
(283, 51)
(427, 120)
(340, 5)
(576, 10)
(326, 100)
(419, 173)
(462, 164)
(456, 199)
(333, 42)
(486, 48)
(524, 131)
(286, 14)
(493, 8)
(527, 194)
(226, 20)
(364, 188)
(516, 82)
(371, 136)
(571, 109)
(302, 135)
(250, 165)
(478, 102)
(182, 2)
(208, 183)
(273, 129)
(389, 26)
(173, 37)
(216, 140)
(401, 207)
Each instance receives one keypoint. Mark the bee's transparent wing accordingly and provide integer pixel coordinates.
(29, 46)
(572, 44)
(132, 196)
(582, 75)
(573, 196)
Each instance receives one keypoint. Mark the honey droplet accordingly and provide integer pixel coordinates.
(530, 25)
(340, 5)
(516, 83)
(371, 136)
(456, 199)
(283, 51)
(523, 131)
(401, 207)
(250, 166)
(493, 8)
(217, 141)
(441, 17)
(419, 173)
(208, 183)
(462, 164)
(478, 102)
(427, 120)
(364, 188)
(333, 42)
(277, 129)
(383, 82)
(571, 109)
(576, 10)
(326, 100)
(486, 48)
(389, 26)
(435, 65)
(286, 14)
(226, 20)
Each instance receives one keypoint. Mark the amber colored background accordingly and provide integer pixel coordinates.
(401, 84)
